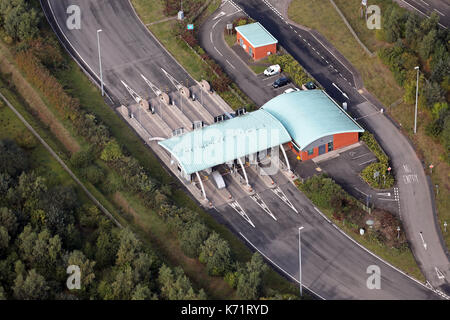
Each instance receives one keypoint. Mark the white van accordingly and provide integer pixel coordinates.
(272, 70)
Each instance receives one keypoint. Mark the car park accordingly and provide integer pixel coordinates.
(272, 70)
(280, 82)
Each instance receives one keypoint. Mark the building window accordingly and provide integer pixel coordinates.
(330, 146)
(310, 152)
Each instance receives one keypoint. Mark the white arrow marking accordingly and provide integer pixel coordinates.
(343, 93)
(219, 15)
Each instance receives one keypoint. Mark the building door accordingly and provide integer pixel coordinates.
(241, 42)
(250, 52)
(321, 149)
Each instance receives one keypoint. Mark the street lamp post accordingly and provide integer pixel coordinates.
(417, 95)
(398, 232)
(445, 226)
(100, 60)
(300, 259)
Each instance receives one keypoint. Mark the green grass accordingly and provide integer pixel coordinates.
(323, 17)
(258, 68)
(179, 49)
(149, 10)
(230, 39)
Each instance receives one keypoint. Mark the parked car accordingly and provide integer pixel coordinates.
(309, 86)
(272, 70)
(291, 90)
(280, 82)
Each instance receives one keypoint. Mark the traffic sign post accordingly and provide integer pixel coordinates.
(190, 26)
(431, 168)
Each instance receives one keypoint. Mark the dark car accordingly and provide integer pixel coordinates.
(280, 82)
(310, 86)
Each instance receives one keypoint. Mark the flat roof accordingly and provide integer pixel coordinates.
(226, 141)
(256, 34)
(309, 115)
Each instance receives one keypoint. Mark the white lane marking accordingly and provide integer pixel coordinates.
(439, 12)
(386, 194)
(360, 191)
(410, 178)
(219, 15)
(385, 199)
(276, 265)
(406, 168)
(368, 161)
(230, 64)
(360, 156)
(215, 24)
(323, 216)
(218, 51)
(210, 37)
(423, 241)
(343, 93)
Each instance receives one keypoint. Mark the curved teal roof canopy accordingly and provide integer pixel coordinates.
(309, 115)
(226, 141)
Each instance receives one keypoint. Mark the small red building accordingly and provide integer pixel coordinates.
(256, 40)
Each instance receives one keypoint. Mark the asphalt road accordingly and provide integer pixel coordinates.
(427, 7)
(416, 209)
(127, 47)
(132, 50)
(333, 267)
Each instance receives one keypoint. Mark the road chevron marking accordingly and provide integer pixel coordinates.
(283, 197)
(237, 207)
(257, 198)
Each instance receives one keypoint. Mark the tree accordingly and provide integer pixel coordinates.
(12, 158)
(142, 292)
(128, 248)
(427, 44)
(2, 293)
(123, 286)
(40, 251)
(106, 249)
(176, 286)
(33, 287)
(216, 253)
(412, 28)
(20, 21)
(111, 152)
(8, 220)
(4, 239)
(192, 238)
(144, 267)
(250, 278)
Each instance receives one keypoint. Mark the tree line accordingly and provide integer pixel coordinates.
(420, 42)
(45, 227)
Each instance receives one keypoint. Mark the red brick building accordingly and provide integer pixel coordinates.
(256, 40)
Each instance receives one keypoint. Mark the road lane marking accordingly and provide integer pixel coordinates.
(439, 12)
(230, 64)
(218, 51)
(276, 265)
